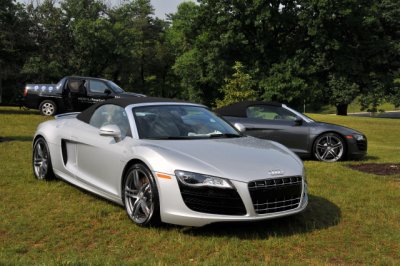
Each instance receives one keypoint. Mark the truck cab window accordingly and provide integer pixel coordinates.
(97, 86)
(76, 86)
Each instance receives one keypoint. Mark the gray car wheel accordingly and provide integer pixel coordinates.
(48, 108)
(41, 161)
(140, 196)
(329, 147)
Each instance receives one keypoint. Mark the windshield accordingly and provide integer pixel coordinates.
(180, 122)
(303, 116)
(117, 89)
(59, 84)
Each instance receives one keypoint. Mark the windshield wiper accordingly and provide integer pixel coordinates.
(225, 135)
(167, 137)
(219, 135)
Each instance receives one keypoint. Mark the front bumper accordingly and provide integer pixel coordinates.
(357, 149)
(173, 209)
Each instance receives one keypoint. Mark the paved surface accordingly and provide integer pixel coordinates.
(388, 114)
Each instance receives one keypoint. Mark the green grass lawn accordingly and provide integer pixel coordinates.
(355, 107)
(352, 218)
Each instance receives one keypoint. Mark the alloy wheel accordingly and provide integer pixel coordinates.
(41, 160)
(329, 148)
(138, 194)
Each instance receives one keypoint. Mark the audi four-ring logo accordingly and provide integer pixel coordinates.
(276, 172)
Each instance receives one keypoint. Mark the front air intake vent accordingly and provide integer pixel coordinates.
(212, 200)
(362, 145)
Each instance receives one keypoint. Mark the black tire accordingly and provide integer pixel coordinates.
(329, 147)
(48, 108)
(41, 160)
(140, 196)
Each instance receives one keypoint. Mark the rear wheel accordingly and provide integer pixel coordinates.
(48, 108)
(140, 196)
(329, 147)
(41, 161)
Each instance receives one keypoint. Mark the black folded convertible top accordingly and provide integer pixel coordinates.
(123, 102)
(240, 109)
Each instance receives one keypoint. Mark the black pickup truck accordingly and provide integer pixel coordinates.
(71, 94)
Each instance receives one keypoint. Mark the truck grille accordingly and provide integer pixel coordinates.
(212, 200)
(276, 195)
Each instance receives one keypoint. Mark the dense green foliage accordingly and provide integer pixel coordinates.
(307, 51)
(238, 88)
(310, 50)
(14, 44)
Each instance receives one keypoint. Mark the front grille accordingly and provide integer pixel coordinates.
(212, 200)
(276, 195)
(362, 145)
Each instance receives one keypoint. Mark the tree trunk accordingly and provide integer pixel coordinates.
(341, 109)
(1, 89)
(142, 73)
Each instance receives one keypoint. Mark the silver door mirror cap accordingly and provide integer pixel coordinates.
(240, 127)
(111, 131)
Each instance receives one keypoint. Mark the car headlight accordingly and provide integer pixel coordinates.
(199, 180)
(359, 137)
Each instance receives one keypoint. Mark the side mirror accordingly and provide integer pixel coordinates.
(298, 121)
(240, 127)
(107, 91)
(111, 131)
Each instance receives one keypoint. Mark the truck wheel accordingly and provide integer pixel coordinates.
(48, 108)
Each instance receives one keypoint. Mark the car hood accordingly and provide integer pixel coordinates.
(130, 94)
(341, 129)
(242, 159)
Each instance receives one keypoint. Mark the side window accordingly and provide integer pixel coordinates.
(267, 112)
(97, 86)
(76, 86)
(111, 114)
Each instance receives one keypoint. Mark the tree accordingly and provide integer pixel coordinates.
(238, 88)
(14, 47)
(290, 82)
(342, 92)
(90, 31)
(388, 14)
(348, 49)
(187, 60)
(52, 39)
(140, 56)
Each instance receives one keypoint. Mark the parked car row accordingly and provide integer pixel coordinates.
(177, 162)
(272, 121)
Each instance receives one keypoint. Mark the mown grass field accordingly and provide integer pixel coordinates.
(355, 107)
(352, 218)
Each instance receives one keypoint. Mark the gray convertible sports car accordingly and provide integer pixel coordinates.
(170, 161)
(304, 136)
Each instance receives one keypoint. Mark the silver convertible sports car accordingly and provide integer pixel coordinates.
(170, 161)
